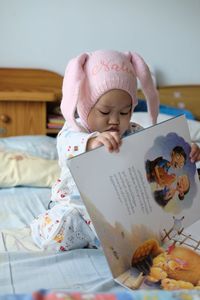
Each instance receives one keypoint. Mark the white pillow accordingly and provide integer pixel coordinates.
(36, 145)
(142, 118)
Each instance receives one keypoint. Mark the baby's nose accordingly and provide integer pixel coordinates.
(114, 119)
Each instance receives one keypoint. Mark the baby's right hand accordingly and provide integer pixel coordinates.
(110, 139)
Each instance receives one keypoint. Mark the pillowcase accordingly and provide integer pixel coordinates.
(36, 145)
(19, 169)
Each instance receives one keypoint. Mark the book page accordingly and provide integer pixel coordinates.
(142, 194)
(175, 267)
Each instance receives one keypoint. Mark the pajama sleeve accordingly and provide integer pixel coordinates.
(71, 143)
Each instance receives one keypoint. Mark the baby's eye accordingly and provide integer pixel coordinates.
(104, 112)
(124, 113)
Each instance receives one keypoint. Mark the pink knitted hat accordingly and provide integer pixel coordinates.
(90, 75)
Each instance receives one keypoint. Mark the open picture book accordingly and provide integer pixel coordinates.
(141, 200)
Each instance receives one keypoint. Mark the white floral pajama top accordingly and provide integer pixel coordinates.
(67, 225)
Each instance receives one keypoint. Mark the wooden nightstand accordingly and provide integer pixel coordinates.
(25, 95)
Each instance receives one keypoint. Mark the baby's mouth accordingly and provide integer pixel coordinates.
(113, 129)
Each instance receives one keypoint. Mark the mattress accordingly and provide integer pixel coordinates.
(24, 268)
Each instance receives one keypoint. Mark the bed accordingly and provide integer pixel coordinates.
(23, 267)
(28, 169)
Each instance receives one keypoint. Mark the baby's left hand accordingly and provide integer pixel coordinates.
(195, 153)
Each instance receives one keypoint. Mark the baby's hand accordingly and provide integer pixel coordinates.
(195, 153)
(110, 139)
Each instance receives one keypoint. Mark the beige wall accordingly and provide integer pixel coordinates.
(47, 33)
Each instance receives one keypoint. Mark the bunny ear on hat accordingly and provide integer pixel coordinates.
(144, 75)
(72, 83)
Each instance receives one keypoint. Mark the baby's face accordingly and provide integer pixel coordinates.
(177, 160)
(183, 184)
(112, 112)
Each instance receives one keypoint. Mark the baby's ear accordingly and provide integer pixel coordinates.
(144, 75)
(72, 82)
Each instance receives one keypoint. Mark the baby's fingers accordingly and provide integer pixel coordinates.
(195, 153)
(115, 140)
(109, 142)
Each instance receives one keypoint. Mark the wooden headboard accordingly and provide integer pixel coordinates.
(29, 84)
(180, 96)
(25, 96)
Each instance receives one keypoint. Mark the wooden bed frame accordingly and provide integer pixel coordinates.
(26, 95)
(180, 96)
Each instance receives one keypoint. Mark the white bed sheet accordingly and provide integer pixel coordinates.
(25, 269)
(78, 270)
(20, 205)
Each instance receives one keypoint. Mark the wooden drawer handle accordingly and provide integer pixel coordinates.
(5, 118)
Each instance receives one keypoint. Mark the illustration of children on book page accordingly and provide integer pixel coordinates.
(170, 173)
